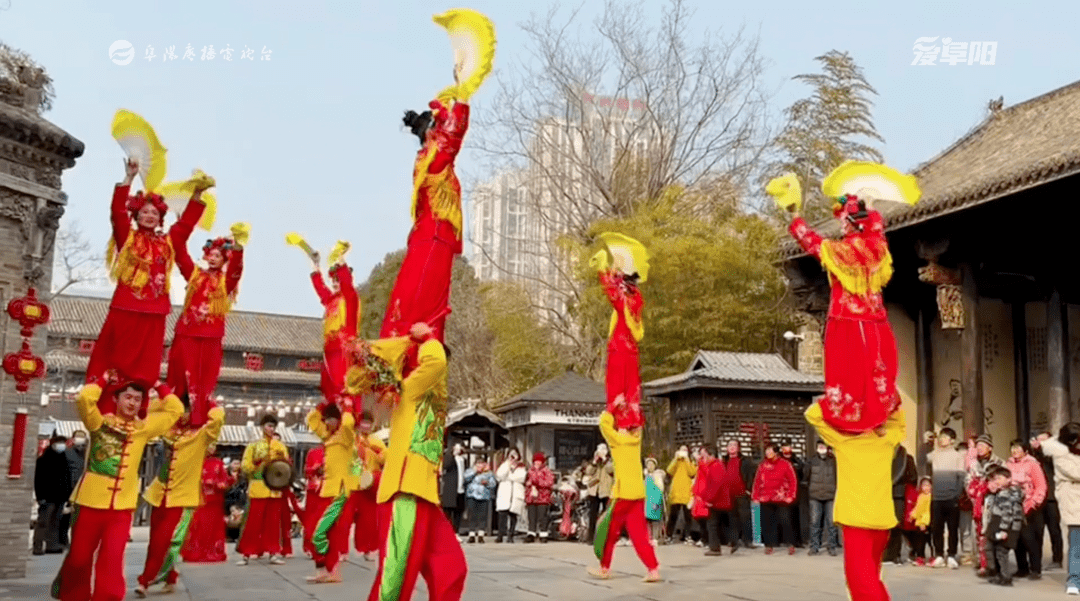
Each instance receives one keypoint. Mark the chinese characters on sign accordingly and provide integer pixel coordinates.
(205, 53)
(929, 52)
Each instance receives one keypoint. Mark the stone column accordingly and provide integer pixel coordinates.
(971, 357)
(33, 153)
(1057, 360)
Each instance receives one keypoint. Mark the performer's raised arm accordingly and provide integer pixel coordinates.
(234, 269)
(807, 238)
(118, 213)
(324, 292)
(181, 230)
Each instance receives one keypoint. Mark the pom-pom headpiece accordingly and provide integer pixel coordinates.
(225, 245)
(137, 202)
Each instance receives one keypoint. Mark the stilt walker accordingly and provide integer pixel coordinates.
(337, 429)
(263, 529)
(623, 381)
(860, 349)
(175, 495)
(421, 293)
(859, 415)
(416, 538)
(196, 352)
(140, 258)
(106, 496)
(341, 319)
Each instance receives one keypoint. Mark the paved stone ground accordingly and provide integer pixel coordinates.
(534, 572)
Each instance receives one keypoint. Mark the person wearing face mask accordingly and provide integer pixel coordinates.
(76, 458)
(141, 257)
(108, 493)
(52, 492)
(196, 352)
(821, 475)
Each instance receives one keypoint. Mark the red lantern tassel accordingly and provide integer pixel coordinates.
(18, 442)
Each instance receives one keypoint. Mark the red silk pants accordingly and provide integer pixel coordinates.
(333, 370)
(131, 343)
(417, 540)
(366, 535)
(165, 543)
(861, 363)
(863, 549)
(631, 514)
(422, 289)
(195, 362)
(336, 534)
(314, 505)
(82, 578)
(262, 532)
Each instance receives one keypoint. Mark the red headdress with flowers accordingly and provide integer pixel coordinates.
(141, 199)
(225, 245)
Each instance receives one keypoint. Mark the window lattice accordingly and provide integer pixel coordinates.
(755, 424)
(991, 346)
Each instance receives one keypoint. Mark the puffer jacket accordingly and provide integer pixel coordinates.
(480, 486)
(510, 495)
(775, 482)
(1027, 474)
(820, 475)
(1066, 480)
(538, 486)
(682, 472)
(1003, 512)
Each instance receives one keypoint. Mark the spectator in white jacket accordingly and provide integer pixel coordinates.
(1065, 452)
(510, 496)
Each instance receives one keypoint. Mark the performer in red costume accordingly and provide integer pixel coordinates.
(141, 259)
(623, 379)
(195, 355)
(421, 293)
(206, 535)
(860, 350)
(314, 505)
(341, 321)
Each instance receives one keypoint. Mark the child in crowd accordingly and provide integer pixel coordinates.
(1003, 517)
(920, 515)
(654, 500)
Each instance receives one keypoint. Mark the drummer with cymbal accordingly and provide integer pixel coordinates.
(262, 529)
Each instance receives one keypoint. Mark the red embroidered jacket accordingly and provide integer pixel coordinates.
(843, 303)
(342, 308)
(149, 245)
(541, 480)
(775, 482)
(200, 317)
(622, 298)
(437, 210)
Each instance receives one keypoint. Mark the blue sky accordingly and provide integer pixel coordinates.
(311, 139)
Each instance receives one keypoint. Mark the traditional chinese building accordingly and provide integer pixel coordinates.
(753, 397)
(984, 302)
(560, 418)
(33, 154)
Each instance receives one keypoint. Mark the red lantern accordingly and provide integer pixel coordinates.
(24, 366)
(29, 312)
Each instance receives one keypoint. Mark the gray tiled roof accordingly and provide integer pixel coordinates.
(718, 369)
(570, 387)
(81, 317)
(77, 363)
(1024, 145)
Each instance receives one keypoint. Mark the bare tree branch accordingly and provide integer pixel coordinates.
(74, 260)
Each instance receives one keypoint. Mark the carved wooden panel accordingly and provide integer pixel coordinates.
(1037, 349)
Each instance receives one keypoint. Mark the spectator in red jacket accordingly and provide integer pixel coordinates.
(1027, 474)
(539, 483)
(740, 472)
(715, 494)
(775, 488)
(699, 509)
